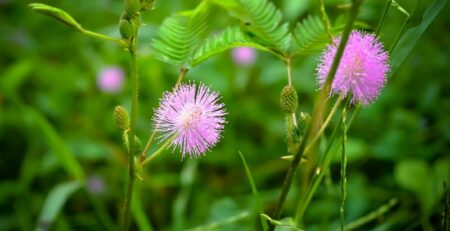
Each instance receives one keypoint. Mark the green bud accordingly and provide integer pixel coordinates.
(288, 99)
(121, 118)
(147, 5)
(137, 146)
(125, 28)
(131, 7)
(137, 143)
(303, 122)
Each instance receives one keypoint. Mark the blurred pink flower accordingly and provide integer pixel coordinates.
(362, 70)
(95, 185)
(244, 56)
(110, 79)
(192, 116)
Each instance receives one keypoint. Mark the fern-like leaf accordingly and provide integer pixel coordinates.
(263, 24)
(229, 38)
(179, 36)
(310, 36)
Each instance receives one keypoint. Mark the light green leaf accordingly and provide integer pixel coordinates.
(409, 40)
(262, 22)
(54, 203)
(311, 36)
(57, 14)
(179, 36)
(229, 38)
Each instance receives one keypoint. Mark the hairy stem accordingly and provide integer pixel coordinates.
(132, 132)
(343, 166)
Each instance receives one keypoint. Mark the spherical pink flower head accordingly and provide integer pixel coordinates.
(110, 79)
(244, 56)
(192, 116)
(362, 70)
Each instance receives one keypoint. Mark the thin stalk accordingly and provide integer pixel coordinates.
(343, 166)
(289, 77)
(147, 146)
(325, 20)
(121, 42)
(397, 38)
(324, 125)
(373, 215)
(317, 178)
(380, 23)
(183, 72)
(132, 132)
(156, 153)
(323, 166)
(318, 109)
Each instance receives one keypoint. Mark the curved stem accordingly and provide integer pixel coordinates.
(121, 42)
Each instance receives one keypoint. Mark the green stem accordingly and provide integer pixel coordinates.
(317, 111)
(343, 166)
(183, 72)
(132, 132)
(373, 215)
(157, 152)
(121, 42)
(397, 38)
(380, 23)
(147, 146)
(324, 125)
(325, 20)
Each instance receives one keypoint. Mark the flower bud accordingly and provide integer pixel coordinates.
(147, 5)
(137, 146)
(288, 99)
(125, 28)
(303, 122)
(121, 118)
(131, 7)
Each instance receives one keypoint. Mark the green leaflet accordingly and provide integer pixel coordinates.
(263, 24)
(309, 36)
(179, 36)
(230, 37)
(57, 14)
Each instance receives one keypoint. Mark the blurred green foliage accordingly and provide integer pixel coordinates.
(56, 126)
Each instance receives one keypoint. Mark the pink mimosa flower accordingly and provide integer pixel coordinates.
(110, 79)
(192, 117)
(362, 70)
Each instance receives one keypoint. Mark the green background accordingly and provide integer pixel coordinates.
(54, 120)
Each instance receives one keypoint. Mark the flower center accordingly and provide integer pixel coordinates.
(190, 116)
